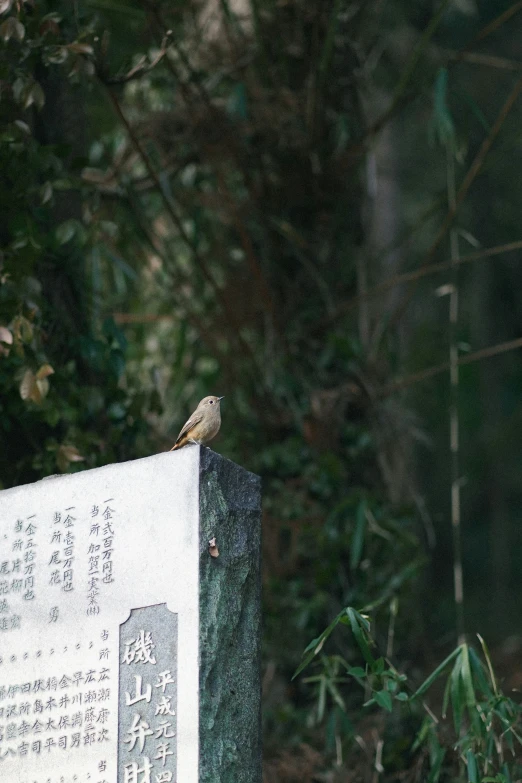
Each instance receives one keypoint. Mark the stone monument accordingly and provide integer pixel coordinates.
(130, 624)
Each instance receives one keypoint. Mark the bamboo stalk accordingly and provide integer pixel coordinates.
(458, 583)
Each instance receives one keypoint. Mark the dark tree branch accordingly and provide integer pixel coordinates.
(430, 372)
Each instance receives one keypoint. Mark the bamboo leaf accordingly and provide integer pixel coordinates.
(469, 690)
(422, 734)
(336, 696)
(428, 682)
(489, 664)
(316, 646)
(477, 670)
(467, 679)
(359, 635)
(442, 121)
(445, 700)
(358, 535)
(437, 754)
(457, 702)
(471, 763)
(396, 582)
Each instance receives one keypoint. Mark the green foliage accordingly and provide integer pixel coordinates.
(487, 724)
(64, 403)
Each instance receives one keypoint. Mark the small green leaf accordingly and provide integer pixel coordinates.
(23, 127)
(18, 88)
(71, 453)
(56, 54)
(80, 48)
(384, 699)
(66, 231)
(44, 371)
(27, 385)
(34, 95)
(22, 329)
(46, 192)
(12, 28)
(237, 102)
(116, 411)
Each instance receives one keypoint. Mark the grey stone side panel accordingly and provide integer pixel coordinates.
(230, 623)
(148, 676)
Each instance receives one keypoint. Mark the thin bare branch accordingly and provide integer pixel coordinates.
(430, 372)
(424, 271)
(494, 25)
(141, 318)
(489, 60)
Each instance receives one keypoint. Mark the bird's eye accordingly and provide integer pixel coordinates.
(211, 402)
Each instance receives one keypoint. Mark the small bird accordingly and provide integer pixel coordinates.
(203, 425)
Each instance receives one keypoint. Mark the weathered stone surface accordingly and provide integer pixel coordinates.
(230, 623)
(99, 544)
(143, 643)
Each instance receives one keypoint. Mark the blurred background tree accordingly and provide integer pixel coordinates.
(310, 207)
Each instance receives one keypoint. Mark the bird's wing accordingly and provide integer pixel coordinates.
(194, 419)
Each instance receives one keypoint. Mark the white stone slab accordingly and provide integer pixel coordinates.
(54, 625)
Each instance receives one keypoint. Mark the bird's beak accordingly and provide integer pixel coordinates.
(221, 398)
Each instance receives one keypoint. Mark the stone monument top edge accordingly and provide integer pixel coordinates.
(207, 456)
(188, 454)
(49, 481)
